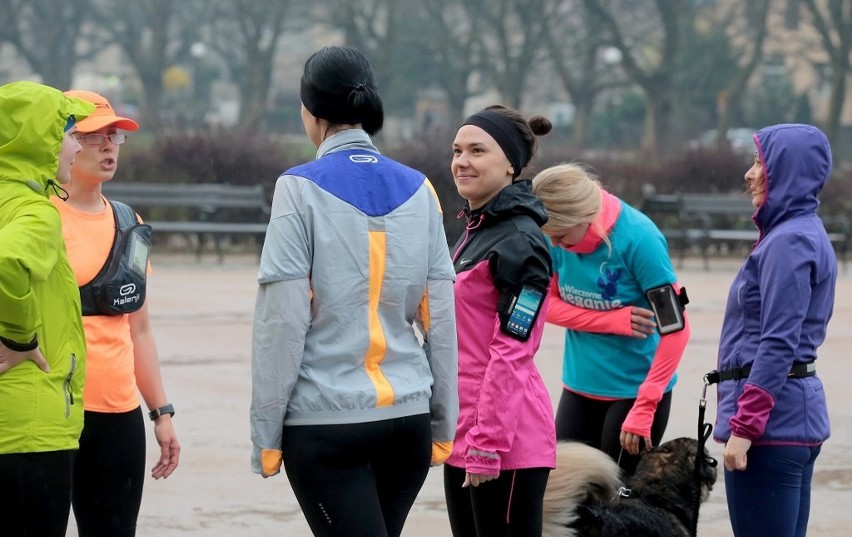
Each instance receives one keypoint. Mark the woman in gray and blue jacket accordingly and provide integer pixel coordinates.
(772, 413)
(343, 390)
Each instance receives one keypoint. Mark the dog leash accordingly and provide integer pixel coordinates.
(704, 430)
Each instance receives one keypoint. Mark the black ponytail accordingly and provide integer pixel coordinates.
(338, 85)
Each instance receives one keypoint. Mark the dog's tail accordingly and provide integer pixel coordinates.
(583, 475)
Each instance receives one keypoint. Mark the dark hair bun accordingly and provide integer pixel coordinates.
(540, 125)
(338, 85)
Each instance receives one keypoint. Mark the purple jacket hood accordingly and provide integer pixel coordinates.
(793, 182)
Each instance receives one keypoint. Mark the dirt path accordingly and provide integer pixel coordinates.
(202, 317)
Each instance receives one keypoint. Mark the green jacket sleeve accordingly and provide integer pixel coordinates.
(29, 246)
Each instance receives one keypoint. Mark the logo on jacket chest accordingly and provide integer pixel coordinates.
(464, 262)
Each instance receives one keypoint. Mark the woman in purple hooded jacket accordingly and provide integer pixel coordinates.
(772, 413)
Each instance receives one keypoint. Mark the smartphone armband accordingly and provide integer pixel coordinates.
(668, 307)
(518, 319)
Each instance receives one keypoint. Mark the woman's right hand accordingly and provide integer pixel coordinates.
(642, 322)
(736, 453)
(474, 480)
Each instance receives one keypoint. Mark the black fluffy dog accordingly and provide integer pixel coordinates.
(585, 498)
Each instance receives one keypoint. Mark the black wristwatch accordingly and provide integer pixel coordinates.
(157, 412)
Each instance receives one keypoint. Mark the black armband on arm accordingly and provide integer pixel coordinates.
(519, 316)
(668, 307)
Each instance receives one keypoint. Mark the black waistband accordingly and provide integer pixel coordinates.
(799, 370)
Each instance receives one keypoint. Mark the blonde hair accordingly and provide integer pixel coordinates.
(571, 195)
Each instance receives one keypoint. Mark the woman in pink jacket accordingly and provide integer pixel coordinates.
(505, 443)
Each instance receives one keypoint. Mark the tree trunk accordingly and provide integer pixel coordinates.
(254, 91)
(455, 109)
(582, 119)
(730, 100)
(835, 104)
(657, 115)
(152, 96)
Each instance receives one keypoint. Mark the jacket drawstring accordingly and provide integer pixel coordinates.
(57, 189)
(470, 226)
(473, 225)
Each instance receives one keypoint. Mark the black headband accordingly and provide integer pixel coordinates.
(507, 136)
(334, 107)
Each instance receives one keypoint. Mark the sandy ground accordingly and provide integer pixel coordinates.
(202, 315)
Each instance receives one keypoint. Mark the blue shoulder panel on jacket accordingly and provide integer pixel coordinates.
(374, 184)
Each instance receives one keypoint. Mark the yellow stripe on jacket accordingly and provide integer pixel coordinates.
(378, 343)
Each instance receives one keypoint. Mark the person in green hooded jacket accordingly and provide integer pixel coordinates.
(42, 346)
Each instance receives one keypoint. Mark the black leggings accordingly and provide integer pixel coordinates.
(509, 506)
(36, 490)
(598, 424)
(360, 479)
(109, 473)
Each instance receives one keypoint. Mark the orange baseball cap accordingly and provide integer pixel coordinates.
(103, 115)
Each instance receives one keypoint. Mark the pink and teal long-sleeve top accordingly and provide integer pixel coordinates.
(593, 295)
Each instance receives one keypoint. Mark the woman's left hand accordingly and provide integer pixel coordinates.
(169, 448)
(630, 442)
(474, 480)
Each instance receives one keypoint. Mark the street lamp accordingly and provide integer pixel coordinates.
(611, 56)
(198, 51)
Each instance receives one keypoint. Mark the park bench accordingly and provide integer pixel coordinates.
(720, 222)
(202, 210)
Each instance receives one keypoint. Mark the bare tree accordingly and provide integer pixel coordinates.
(456, 47)
(153, 35)
(395, 35)
(832, 19)
(748, 21)
(248, 35)
(512, 37)
(373, 27)
(574, 39)
(44, 32)
(654, 72)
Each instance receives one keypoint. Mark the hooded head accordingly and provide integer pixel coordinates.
(35, 118)
(796, 164)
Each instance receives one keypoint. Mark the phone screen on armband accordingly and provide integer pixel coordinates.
(523, 312)
(667, 311)
(138, 253)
